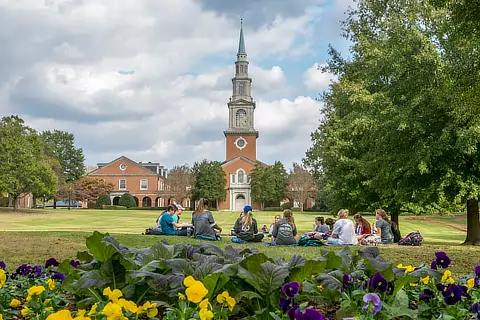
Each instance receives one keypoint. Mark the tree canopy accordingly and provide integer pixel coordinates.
(268, 183)
(180, 182)
(24, 167)
(400, 126)
(301, 185)
(209, 180)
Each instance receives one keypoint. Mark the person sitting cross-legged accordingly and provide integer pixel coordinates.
(343, 230)
(168, 224)
(246, 227)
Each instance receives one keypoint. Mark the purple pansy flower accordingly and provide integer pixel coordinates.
(59, 276)
(427, 295)
(378, 283)
(3, 265)
(374, 300)
(452, 294)
(475, 309)
(291, 289)
(433, 266)
(477, 271)
(308, 314)
(74, 263)
(347, 281)
(442, 259)
(52, 262)
(284, 303)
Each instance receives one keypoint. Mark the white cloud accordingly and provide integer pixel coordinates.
(123, 76)
(316, 79)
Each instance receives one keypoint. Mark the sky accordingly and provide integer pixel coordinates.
(150, 79)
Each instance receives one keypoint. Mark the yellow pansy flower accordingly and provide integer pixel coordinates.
(470, 283)
(447, 277)
(225, 298)
(188, 281)
(205, 304)
(129, 306)
(113, 311)
(51, 284)
(81, 315)
(181, 296)
(25, 311)
(60, 315)
(1, 317)
(93, 310)
(35, 290)
(3, 278)
(151, 309)
(196, 292)
(205, 314)
(15, 303)
(413, 284)
(112, 295)
(425, 280)
(408, 268)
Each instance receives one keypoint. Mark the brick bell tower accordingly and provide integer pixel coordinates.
(241, 135)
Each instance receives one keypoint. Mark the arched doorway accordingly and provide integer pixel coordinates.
(116, 201)
(136, 201)
(239, 202)
(158, 202)
(146, 202)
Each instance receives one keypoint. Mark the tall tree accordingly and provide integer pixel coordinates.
(209, 180)
(301, 185)
(61, 145)
(396, 132)
(180, 182)
(23, 164)
(268, 183)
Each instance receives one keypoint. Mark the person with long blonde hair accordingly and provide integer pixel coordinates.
(246, 227)
(343, 230)
(285, 230)
(204, 225)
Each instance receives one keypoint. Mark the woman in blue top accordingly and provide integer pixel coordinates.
(168, 224)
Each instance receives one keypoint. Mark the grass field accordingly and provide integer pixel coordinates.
(34, 236)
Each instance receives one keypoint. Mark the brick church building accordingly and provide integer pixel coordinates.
(241, 137)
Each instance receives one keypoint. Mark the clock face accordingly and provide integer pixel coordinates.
(123, 166)
(240, 143)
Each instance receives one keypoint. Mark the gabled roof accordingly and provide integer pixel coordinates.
(226, 163)
(104, 165)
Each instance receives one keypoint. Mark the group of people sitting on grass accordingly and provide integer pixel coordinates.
(202, 226)
(283, 231)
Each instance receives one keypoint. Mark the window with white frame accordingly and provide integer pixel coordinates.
(143, 184)
(240, 118)
(122, 184)
(187, 203)
(232, 178)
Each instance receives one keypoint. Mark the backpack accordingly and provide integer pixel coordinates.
(412, 239)
(306, 241)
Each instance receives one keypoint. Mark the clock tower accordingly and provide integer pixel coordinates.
(241, 135)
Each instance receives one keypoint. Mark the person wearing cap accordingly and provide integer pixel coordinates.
(246, 227)
(169, 226)
(178, 213)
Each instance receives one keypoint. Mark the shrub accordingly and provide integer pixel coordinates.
(127, 200)
(286, 205)
(4, 202)
(273, 209)
(109, 207)
(104, 199)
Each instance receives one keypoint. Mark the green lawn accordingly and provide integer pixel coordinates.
(36, 235)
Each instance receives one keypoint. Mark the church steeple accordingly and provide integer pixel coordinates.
(241, 106)
(241, 42)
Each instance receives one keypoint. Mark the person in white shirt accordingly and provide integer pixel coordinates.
(343, 230)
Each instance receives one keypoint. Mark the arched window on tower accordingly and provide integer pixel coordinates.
(236, 69)
(241, 68)
(241, 176)
(240, 118)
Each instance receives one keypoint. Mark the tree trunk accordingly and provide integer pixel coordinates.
(395, 215)
(10, 200)
(15, 202)
(473, 223)
(54, 203)
(34, 200)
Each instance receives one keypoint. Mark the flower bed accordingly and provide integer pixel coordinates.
(111, 281)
